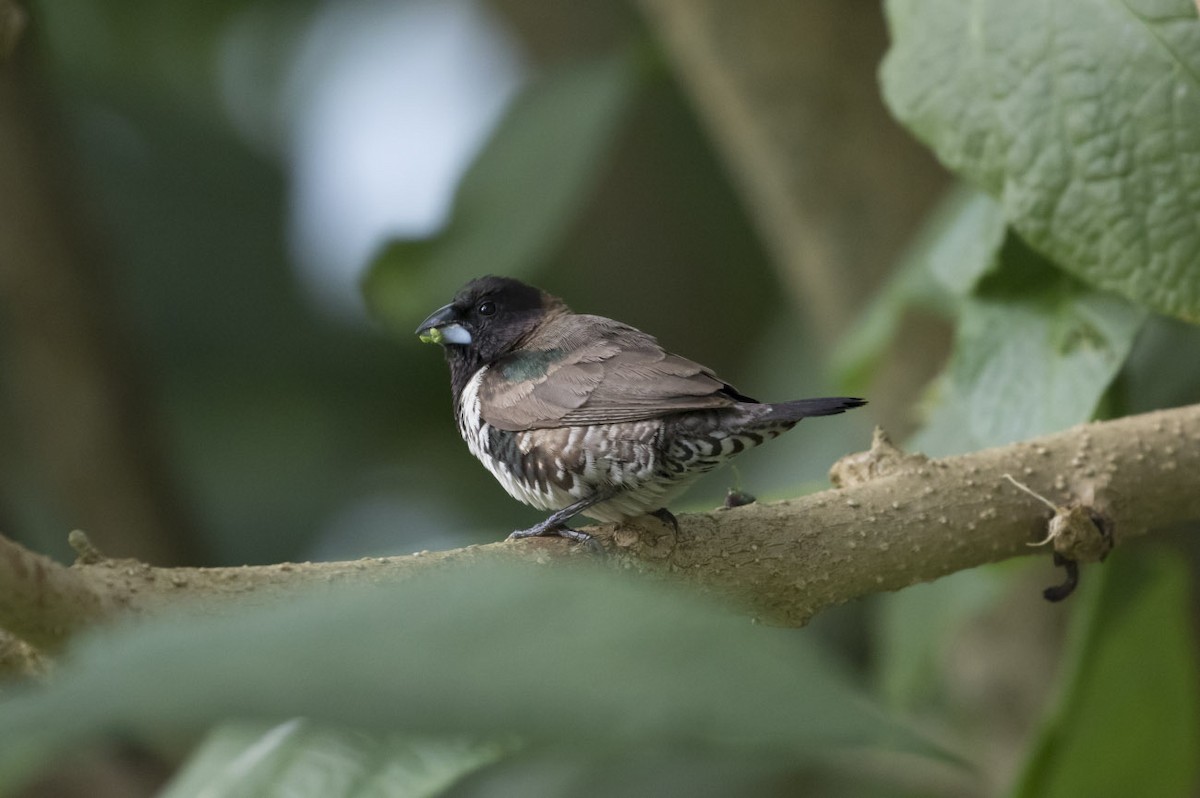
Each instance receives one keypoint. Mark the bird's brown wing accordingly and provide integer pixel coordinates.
(591, 370)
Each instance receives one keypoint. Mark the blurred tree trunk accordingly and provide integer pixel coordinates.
(789, 92)
(12, 24)
(77, 406)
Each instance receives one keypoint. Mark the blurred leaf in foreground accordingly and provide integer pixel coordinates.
(299, 759)
(564, 657)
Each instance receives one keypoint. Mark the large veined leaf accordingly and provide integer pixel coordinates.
(1082, 117)
(574, 657)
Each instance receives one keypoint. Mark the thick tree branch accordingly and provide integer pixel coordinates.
(898, 519)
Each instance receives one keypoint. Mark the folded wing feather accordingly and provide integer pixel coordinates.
(590, 370)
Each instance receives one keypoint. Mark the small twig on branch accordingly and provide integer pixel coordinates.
(896, 520)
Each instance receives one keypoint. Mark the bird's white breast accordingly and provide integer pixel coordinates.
(477, 433)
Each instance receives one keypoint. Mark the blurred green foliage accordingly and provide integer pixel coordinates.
(1128, 716)
(1029, 337)
(299, 757)
(297, 434)
(513, 208)
(300, 434)
(587, 658)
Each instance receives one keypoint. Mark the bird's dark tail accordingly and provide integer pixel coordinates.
(805, 408)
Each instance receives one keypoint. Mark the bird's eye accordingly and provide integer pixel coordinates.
(486, 308)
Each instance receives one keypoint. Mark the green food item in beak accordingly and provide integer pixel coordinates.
(443, 327)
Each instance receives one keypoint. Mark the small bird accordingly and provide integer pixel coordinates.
(583, 414)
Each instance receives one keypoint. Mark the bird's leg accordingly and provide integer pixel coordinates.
(667, 517)
(556, 524)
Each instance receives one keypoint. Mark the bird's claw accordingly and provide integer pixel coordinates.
(667, 517)
(558, 530)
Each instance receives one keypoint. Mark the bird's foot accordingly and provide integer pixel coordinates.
(556, 524)
(667, 517)
(555, 530)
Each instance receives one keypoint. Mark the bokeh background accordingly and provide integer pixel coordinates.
(220, 222)
(214, 181)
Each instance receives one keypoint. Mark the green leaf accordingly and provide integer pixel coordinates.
(297, 758)
(1035, 352)
(916, 624)
(1128, 722)
(965, 239)
(517, 201)
(955, 247)
(1153, 378)
(570, 657)
(1083, 118)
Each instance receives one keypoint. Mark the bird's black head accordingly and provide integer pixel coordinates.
(489, 317)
